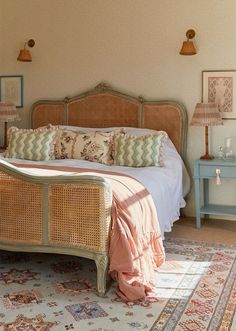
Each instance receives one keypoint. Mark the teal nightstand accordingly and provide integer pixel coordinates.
(205, 170)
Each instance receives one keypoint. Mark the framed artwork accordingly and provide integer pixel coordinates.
(11, 90)
(220, 87)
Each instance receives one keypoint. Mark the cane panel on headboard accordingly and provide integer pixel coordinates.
(105, 107)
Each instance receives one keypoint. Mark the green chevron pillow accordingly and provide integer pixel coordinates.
(27, 144)
(144, 151)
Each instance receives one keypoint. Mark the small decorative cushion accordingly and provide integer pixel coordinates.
(143, 151)
(65, 143)
(28, 144)
(93, 146)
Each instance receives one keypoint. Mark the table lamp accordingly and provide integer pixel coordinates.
(206, 114)
(8, 113)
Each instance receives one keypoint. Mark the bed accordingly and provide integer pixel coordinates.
(42, 205)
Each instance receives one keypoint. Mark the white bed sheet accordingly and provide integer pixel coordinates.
(167, 185)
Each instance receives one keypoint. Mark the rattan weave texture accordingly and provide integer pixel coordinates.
(79, 215)
(21, 205)
(68, 215)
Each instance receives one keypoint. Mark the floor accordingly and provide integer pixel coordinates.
(212, 230)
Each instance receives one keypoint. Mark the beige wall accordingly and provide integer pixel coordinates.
(132, 44)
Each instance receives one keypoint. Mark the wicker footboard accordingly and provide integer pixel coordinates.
(56, 214)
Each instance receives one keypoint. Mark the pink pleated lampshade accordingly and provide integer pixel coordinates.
(206, 114)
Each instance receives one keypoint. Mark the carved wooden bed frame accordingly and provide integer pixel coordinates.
(48, 209)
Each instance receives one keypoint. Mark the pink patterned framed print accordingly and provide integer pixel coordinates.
(220, 87)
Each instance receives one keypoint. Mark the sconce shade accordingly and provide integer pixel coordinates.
(206, 114)
(24, 54)
(188, 47)
(8, 113)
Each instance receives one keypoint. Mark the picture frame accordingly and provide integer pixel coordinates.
(220, 87)
(11, 89)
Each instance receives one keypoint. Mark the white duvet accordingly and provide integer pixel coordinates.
(167, 185)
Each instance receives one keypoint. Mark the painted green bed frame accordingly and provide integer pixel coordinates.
(72, 214)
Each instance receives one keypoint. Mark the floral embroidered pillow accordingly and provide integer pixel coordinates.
(142, 151)
(94, 146)
(65, 143)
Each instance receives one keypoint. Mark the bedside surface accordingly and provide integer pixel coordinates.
(217, 161)
(216, 169)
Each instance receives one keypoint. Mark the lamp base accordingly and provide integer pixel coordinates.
(206, 157)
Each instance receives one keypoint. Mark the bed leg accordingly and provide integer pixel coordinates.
(101, 261)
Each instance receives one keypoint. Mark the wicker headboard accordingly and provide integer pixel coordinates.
(105, 107)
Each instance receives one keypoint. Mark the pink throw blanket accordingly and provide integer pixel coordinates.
(136, 248)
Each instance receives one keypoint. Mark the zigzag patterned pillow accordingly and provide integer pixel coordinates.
(144, 151)
(28, 144)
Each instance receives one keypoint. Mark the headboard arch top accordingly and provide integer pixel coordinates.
(103, 106)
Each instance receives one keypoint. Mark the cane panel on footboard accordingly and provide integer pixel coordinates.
(79, 216)
(19, 221)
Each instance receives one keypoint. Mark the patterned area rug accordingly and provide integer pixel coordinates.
(195, 291)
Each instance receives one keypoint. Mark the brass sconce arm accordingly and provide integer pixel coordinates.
(190, 34)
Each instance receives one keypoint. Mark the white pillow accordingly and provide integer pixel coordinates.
(127, 129)
(85, 129)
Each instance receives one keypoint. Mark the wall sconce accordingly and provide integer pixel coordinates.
(24, 54)
(188, 47)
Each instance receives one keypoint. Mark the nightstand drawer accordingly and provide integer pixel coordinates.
(209, 171)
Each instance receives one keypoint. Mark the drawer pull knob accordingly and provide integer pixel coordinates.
(218, 181)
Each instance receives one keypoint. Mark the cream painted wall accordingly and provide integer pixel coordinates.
(132, 44)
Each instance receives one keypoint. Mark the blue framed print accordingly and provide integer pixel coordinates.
(11, 89)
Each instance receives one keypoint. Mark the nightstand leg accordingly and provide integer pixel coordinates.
(206, 194)
(197, 202)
